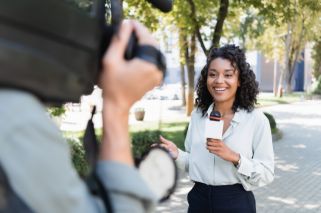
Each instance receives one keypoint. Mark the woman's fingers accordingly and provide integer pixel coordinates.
(163, 140)
(214, 143)
(214, 146)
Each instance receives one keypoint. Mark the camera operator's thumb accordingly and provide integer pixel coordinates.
(119, 42)
(143, 35)
(125, 82)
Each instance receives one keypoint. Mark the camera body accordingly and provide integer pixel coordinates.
(54, 49)
(49, 48)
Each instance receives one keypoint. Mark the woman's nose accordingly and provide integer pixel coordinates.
(219, 79)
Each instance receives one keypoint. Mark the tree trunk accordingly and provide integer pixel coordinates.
(289, 71)
(280, 86)
(182, 62)
(197, 27)
(222, 13)
(293, 58)
(190, 60)
(183, 83)
(286, 59)
(292, 65)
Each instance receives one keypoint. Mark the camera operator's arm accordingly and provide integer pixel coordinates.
(123, 83)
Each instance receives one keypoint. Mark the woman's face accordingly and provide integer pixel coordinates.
(222, 81)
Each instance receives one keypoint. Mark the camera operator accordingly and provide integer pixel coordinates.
(31, 144)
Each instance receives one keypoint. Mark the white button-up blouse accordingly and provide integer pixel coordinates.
(249, 134)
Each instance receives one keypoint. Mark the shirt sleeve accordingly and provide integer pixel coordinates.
(128, 191)
(37, 161)
(259, 170)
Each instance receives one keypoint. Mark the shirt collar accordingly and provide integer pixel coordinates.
(209, 110)
(239, 116)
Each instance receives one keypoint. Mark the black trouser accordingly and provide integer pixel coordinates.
(226, 199)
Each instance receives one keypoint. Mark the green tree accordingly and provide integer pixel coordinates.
(288, 26)
(143, 12)
(316, 56)
(181, 17)
(203, 14)
(194, 19)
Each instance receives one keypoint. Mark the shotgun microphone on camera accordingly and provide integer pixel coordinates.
(163, 5)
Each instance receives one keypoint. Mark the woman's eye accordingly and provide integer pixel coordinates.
(228, 75)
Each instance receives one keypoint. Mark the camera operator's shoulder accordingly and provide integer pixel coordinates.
(20, 108)
(24, 119)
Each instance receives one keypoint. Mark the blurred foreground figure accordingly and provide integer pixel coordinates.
(37, 160)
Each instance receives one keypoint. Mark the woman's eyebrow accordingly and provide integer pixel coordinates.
(213, 70)
(226, 70)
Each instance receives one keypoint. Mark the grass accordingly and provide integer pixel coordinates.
(269, 99)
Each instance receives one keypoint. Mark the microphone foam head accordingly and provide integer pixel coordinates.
(215, 116)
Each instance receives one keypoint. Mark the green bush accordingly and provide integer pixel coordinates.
(317, 87)
(78, 156)
(141, 141)
(56, 111)
(271, 121)
(316, 56)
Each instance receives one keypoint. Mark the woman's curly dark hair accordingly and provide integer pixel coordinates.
(246, 92)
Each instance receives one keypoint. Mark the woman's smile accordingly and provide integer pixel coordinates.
(219, 89)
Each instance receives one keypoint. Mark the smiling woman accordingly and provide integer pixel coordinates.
(229, 167)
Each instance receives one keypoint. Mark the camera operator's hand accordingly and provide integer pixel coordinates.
(123, 83)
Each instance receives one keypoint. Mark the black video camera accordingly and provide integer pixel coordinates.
(54, 50)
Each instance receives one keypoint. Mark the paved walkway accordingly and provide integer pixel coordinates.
(297, 184)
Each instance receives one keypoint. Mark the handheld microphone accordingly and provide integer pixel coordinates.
(214, 126)
(163, 5)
